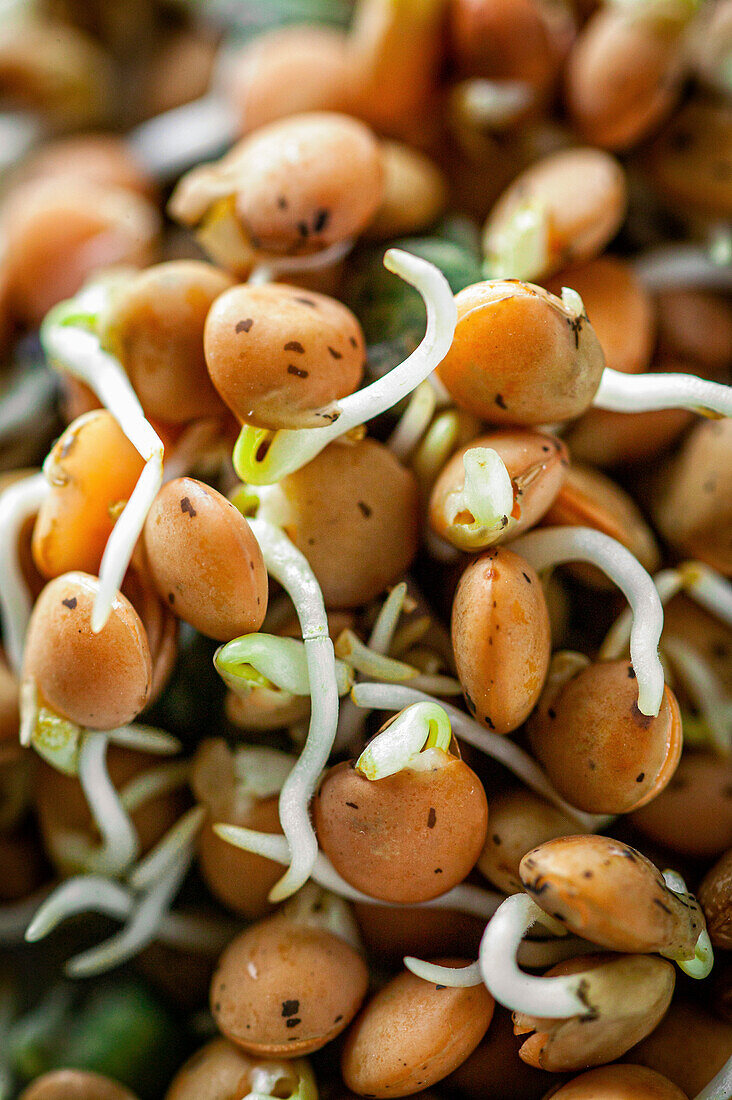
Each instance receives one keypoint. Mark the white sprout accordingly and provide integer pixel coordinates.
(179, 837)
(720, 1086)
(480, 511)
(557, 545)
(293, 1080)
(288, 566)
(80, 894)
(144, 738)
(154, 783)
(281, 661)
(120, 843)
(535, 954)
(171, 142)
(16, 916)
(632, 393)
(414, 421)
(438, 444)
(706, 690)
(553, 998)
(464, 898)
(419, 726)
(363, 659)
(275, 266)
(682, 265)
(503, 749)
(285, 451)
(142, 926)
(352, 718)
(702, 961)
(80, 353)
(18, 503)
(710, 589)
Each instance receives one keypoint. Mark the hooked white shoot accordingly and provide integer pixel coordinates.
(632, 393)
(553, 998)
(503, 749)
(288, 566)
(464, 898)
(171, 142)
(418, 727)
(179, 837)
(269, 270)
(18, 503)
(557, 545)
(79, 351)
(535, 954)
(262, 456)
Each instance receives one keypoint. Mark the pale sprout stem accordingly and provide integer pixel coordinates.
(172, 142)
(28, 710)
(720, 1087)
(281, 661)
(120, 844)
(414, 421)
(288, 450)
(154, 783)
(555, 998)
(464, 898)
(706, 691)
(503, 749)
(682, 265)
(145, 739)
(455, 977)
(710, 589)
(180, 836)
(80, 353)
(275, 266)
(81, 894)
(361, 658)
(419, 726)
(668, 582)
(351, 719)
(288, 566)
(142, 927)
(632, 393)
(16, 916)
(556, 545)
(18, 503)
(433, 452)
(701, 963)
(535, 954)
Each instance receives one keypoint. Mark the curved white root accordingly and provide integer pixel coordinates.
(145, 739)
(120, 843)
(464, 898)
(80, 353)
(262, 457)
(363, 659)
(419, 726)
(531, 953)
(710, 589)
(272, 268)
(454, 977)
(15, 916)
(503, 749)
(179, 837)
(720, 1087)
(414, 422)
(142, 927)
(172, 142)
(632, 393)
(288, 566)
(682, 265)
(18, 503)
(555, 998)
(351, 719)
(154, 783)
(557, 545)
(81, 894)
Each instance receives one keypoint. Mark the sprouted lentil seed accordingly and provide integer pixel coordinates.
(320, 712)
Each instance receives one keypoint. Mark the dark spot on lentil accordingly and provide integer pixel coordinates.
(295, 345)
(290, 1008)
(431, 818)
(322, 217)
(631, 672)
(293, 1022)
(640, 777)
(353, 805)
(70, 602)
(335, 353)
(244, 326)
(496, 838)
(187, 507)
(365, 509)
(500, 402)
(526, 577)
(552, 713)
(297, 371)
(306, 301)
